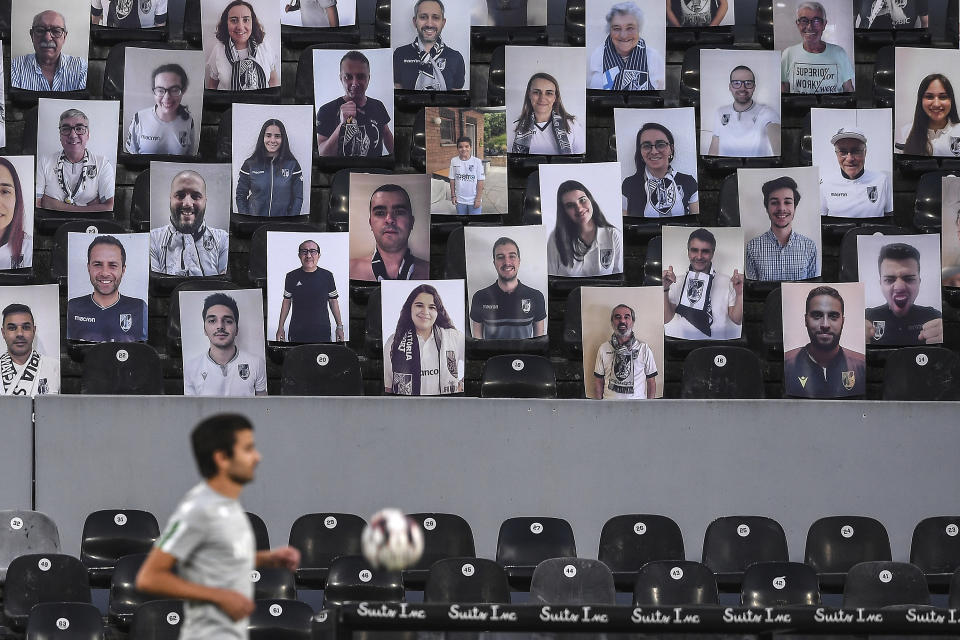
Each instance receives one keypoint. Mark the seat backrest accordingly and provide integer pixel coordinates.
(274, 583)
(445, 535)
(575, 22)
(729, 212)
(352, 579)
(629, 541)
(128, 368)
(573, 321)
(528, 541)
(722, 372)
(653, 262)
(466, 580)
(140, 202)
(572, 581)
(60, 620)
(935, 546)
(497, 78)
(674, 583)
(456, 257)
(927, 210)
(42, 577)
(532, 203)
(954, 599)
(836, 543)
(773, 320)
(124, 595)
(260, 533)
(884, 77)
(922, 373)
(849, 267)
(59, 259)
(882, 584)
(518, 376)
(733, 543)
(418, 146)
(23, 531)
(157, 620)
(690, 77)
(321, 538)
(778, 584)
(110, 534)
(321, 370)
(280, 619)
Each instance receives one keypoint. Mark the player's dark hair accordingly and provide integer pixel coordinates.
(405, 320)
(13, 236)
(783, 182)
(416, 7)
(257, 33)
(16, 307)
(742, 67)
(898, 251)
(260, 155)
(220, 298)
(637, 157)
(172, 67)
(356, 56)
(703, 235)
(917, 142)
(502, 240)
(111, 241)
(464, 139)
(823, 291)
(523, 122)
(393, 188)
(633, 314)
(567, 231)
(216, 433)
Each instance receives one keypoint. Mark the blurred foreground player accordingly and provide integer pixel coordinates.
(210, 540)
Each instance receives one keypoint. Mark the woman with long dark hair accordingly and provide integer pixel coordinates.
(16, 243)
(935, 120)
(424, 356)
(167, 127)
(544, 126)
(583, 243)
(241, 60)
(270, 181)
(657, 190)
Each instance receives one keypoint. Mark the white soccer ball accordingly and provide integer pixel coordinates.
(391, 540)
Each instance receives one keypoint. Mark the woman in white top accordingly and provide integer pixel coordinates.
(241, 60)
(167, 127)
(424, 356)
(544, 126)
(16, 243)
(583, 243)
(935, 121)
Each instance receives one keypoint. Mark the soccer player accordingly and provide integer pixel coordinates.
(781, 253)
(391, 221)
(900, 321)
(466, 179)
(224, 369)
(745, 128)
(507, 309)
(187, 246)
(210, 540)
(106, 315)
(854, 192)
(625, 366)
(130, 14)
(24, 371)
(48, 68)
(815, 66)
(354, 125)
(428, 63)
(74, 179)
(309, 291)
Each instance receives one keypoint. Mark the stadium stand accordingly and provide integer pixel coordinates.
(50, 620)
(836, 543)
(524, 542)
(779, 584)
(109, 535)
(674, 582)
(629, 541)
(321, 538)
(733, 543)
(466, 580)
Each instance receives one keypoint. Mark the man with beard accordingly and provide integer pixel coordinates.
(187, 246)
(688, 306)
(745, 128)
(354, 125)
(428, 64)
(625, 367)
(210, 540)
(815, 66)
(129, 14)
(781, 253)
(900, 321)
(309, 291)
(224, 369)
(106, 315)
(391, 221)
(47, 68)
(854, 192)
(73, 179)
(822, 368)
(24, 371)
(507, 309)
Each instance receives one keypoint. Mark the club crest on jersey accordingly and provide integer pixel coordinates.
(126, 321)
(90, 171)
(123, 8)
(403, 383)
(182, 138)
(955, 145)
(872, 194)
(284, 173)
(849, 379)
(879, 328)
(441, 63)
(452, 363)
(803, 381)
(606, 258)
(724, 119)
(244, 370)
(695, 290)
(208, 243)
(526, 304)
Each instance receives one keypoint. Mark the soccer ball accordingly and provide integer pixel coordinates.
(391, 540)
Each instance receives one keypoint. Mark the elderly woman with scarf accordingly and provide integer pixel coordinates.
(624, 62)
(241, 60)
(544, 126)
(425, 355)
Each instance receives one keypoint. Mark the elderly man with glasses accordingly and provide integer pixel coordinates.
(854, 191)
(815, 66)
(74, 179)
(48, 68)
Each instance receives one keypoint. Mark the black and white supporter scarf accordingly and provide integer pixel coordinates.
(70, 195)
(626, 74)
(405, 360)
(247, 74)
(430, 67)
(521, 144)
(694, 303)
(407, 266)
(663, 193)
(624, 363)
(23, 384)
(124, 14)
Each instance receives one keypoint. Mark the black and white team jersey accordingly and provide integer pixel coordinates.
(899, 331)
(744, 133)
(506, 316)
(870, 195)
(310, 293)
(244, 375)
(123, 321)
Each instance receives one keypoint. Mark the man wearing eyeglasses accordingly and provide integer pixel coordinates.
(309, 290)
(815, 66)
(47, 69)
(745, 128)
(167, 127)
(187, 246)
(854, 191)
(75, 179)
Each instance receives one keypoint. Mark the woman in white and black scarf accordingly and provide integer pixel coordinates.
(657, 190)
(544, 126)
(241, 60)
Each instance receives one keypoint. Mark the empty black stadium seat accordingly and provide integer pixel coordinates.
(653, 263)
(121, 368)
(883, 584)
(532, 203)
(63, 621)
(445, 535)
(373, 324)
(665, 583)
(22, 532)
(140, 203)
(779, 584)
(338, 208)
(42, 577)
(59, 259)
(191, 23)
(884, 78)
(718, 372)
(110, 534)
(455, 263)
(572, 581)
(690, 78)
(381, 22)
(280, 619)
(575, 22)
(257, 259)
(573, 325)
(629, 541)
(496, 81)
(124, 595)
(733, 543)
(274, 583)
(259, 531)
(466, 580)
(321, 538)
(935, 549)
(773, 321)
(729, 212)
(352, 579)
(836, 543)
(928, 373)
(518, 376)
(321, 370)
(157, 620)
(927, 211)
(524, 542)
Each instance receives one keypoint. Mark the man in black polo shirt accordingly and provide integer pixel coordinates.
(428, 64)
(507, 309)
(899, 321)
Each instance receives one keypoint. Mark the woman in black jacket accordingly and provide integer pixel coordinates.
(271, 181)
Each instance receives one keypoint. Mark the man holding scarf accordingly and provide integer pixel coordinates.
(692, 307)
(23, 370)
(428, 64)
(625, 366)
